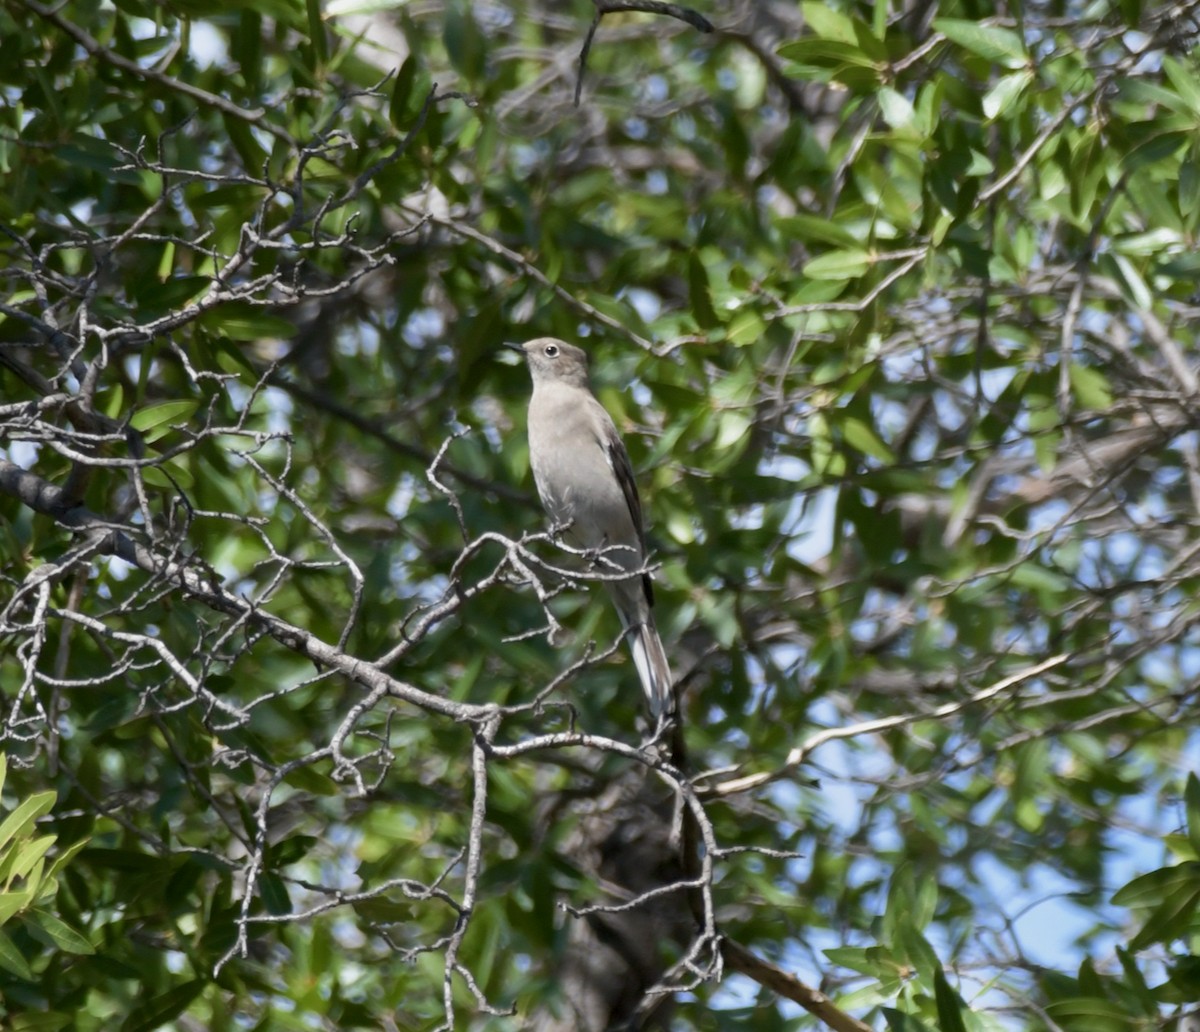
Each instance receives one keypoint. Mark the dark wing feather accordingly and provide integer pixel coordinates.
(618, 458)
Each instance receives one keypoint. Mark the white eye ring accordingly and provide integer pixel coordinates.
(551, 350)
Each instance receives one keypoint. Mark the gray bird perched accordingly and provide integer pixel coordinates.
(586, 484)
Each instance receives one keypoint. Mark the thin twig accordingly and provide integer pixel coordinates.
(869, 727)
(603, 7)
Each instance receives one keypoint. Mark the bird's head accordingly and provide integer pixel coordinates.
(554, 361)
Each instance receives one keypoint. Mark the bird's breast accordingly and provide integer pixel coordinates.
(575, 481)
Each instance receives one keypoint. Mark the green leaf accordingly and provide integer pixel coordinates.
(248, 148)
(1149, 94)
(316, 31)
(1089, 160)
(1156, 147)
(1088, 1007)
(897, 110)
(1121, 269)
(1189, 187)
(171, 475)
(409, 91)
(680, 526)
(1185, 82)
(231, 359)
(915, 948)
(311, 780)
(871, 44)
(812, 227)
(165, 413)
(1151, 888)
(1131, 11)
(340, 8)
(1001, 97)
(949, 1006)
(274, 894)
(157, 297)
(463, 40)
(899, 1021)
(718, 614)
(1049, 584)
(924, 903)
(13, 902)
(46, 1021)
(698, 290)
(1003, 46)
(66, 856)
(839, 265)
(1090, 387)
(243, 321)
(156, 1012)
(13, 960)
(20, 821)
(1152, 242)
(1169, 920)
(1191, 799)
(28, 855)
(862, 436)
(746, 327)
(1184, 267)
(875, 961)
(1136, 983)
(826, 53)
(55, 932)
(246, 49)
(732, 427)
(827, 22)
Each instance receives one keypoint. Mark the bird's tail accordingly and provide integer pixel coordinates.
(652, 668)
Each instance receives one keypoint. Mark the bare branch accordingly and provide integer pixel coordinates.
(603, 7)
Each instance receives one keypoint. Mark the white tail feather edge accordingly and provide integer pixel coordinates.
(653, 668)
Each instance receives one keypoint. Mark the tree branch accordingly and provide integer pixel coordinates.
(799, 754)
(115, 539)
(789, 986)
(254, 116)
(603, 7)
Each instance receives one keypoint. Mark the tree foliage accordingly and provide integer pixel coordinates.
(307, 721)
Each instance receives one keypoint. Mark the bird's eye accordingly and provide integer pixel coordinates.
(551, 350)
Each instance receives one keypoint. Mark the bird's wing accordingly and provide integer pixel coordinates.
(618, 461)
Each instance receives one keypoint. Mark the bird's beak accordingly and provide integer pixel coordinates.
(512, 347)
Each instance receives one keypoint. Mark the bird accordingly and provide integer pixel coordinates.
(585, 481)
